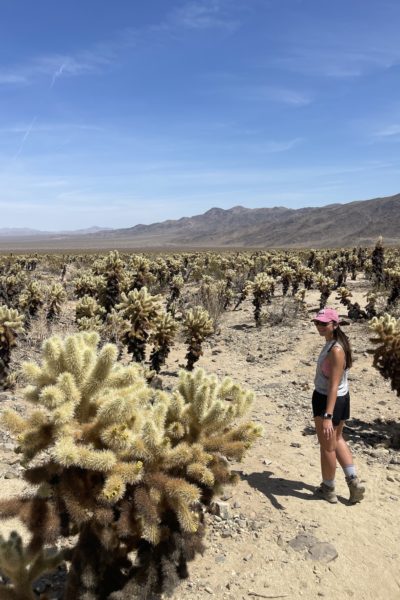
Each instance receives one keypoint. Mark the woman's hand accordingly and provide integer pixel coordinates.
(327, 428)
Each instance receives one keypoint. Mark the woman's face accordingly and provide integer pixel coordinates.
(325, 329)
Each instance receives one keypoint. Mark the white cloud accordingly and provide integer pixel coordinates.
(203, 14)
(389, 131)
(12, 79)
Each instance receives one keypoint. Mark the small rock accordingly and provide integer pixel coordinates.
(208, 590)
(10, 475)
(295, 445)
(250, 358)
(302, 541)
(322, 551)
(221, 509)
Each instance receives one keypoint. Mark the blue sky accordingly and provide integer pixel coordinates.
(114, 114)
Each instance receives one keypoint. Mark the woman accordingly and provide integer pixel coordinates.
(331, 407)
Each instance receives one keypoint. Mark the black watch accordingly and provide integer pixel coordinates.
(327, 416)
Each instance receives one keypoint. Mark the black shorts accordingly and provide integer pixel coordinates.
(341, 411)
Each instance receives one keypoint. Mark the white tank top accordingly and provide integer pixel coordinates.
(321, 381)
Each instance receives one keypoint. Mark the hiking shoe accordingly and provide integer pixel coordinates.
(357, 490)
(326, 493)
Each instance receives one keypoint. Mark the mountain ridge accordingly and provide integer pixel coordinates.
(355, 223)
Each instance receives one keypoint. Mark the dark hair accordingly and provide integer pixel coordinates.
(340, 336)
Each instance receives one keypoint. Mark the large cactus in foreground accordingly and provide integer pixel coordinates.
(11, 324)
(121, 466)
(387, 351)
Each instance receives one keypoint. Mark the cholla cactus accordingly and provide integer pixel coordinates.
(197, 326)
(246, 289)
(141, 309)
(370, 307)
(263, 288)
(140, 274)
(176, 285)
(299, 298)
(11, 324)
(344, 296)
(165, 328)
(56, 296)
(89, 285)
(325, 285)
(378, 261)
(286, 277)
(90, 324)
(30, 300)
(22, 566)
(112, 268)
(393, 276)
(11, 285)
(387, 352)
(89, 308)
(125, 467)
(115, 327)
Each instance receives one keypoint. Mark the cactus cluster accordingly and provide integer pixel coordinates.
(123, 467)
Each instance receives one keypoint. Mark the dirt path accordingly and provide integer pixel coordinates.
(249, 554)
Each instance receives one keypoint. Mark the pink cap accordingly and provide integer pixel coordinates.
(326, 315)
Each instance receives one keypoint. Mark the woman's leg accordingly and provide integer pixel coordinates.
(328, 452)
(345, 459)
(343, 453)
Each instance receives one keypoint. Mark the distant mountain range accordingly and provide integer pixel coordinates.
(18, 232)
(354, 223)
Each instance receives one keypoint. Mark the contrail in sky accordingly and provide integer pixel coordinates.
(25, 137)
(57, 74)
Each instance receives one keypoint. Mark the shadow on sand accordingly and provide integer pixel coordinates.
(273, 487)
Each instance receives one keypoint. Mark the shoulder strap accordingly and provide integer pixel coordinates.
(331, 346)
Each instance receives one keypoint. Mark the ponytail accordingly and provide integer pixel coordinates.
(340, 336)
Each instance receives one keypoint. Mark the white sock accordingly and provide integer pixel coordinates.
(329, 482)
(349, 471)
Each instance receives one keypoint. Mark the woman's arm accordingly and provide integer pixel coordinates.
(336, 359)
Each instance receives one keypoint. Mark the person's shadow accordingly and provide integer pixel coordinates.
(272, 487)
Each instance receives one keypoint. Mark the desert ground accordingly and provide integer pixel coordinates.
(272, 538)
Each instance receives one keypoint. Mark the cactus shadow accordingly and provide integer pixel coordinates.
(368, 433)
(243, 326)
(274, 487)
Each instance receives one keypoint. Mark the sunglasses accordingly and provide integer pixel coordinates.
(321, 323)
